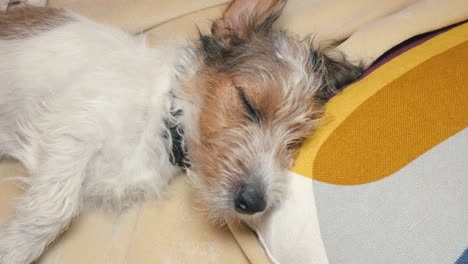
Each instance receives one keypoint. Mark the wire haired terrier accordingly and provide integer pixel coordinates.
(99, 119)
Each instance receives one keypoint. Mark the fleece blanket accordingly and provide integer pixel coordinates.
(321, 221)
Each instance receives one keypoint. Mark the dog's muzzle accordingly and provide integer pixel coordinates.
(250, 200)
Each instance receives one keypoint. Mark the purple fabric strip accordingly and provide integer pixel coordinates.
(405, 46)
(402, 48)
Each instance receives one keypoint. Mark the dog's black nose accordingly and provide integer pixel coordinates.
(250, 200)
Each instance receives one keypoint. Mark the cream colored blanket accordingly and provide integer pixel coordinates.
(171, 230)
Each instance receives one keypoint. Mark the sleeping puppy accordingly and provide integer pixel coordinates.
(99, 119)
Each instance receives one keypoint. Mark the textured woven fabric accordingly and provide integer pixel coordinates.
(387, 170)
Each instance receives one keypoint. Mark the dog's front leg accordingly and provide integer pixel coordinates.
(51, 202)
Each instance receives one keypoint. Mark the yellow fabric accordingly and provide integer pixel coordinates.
(344, 104)
(400, 122)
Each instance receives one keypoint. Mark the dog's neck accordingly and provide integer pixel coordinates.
(181, 125)
(175, 133)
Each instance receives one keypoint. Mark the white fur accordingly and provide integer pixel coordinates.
(82, 107)
(4, 4)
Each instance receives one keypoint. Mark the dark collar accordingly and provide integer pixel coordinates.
(178, 155)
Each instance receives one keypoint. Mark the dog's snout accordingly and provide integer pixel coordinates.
(250, 200)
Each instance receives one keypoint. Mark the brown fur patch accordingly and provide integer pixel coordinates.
(223, 113)
(216, 117)
(24, 22)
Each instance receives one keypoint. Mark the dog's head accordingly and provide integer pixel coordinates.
(259, 93)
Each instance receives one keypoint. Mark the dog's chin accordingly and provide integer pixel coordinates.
(231, 218)
(249, 220)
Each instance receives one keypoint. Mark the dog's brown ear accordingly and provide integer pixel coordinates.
(243, 18)
(334, 70)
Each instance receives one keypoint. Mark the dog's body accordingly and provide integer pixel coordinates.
(82, 106)
(89, 110)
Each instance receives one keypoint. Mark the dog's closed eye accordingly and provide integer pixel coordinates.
(252, 113)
